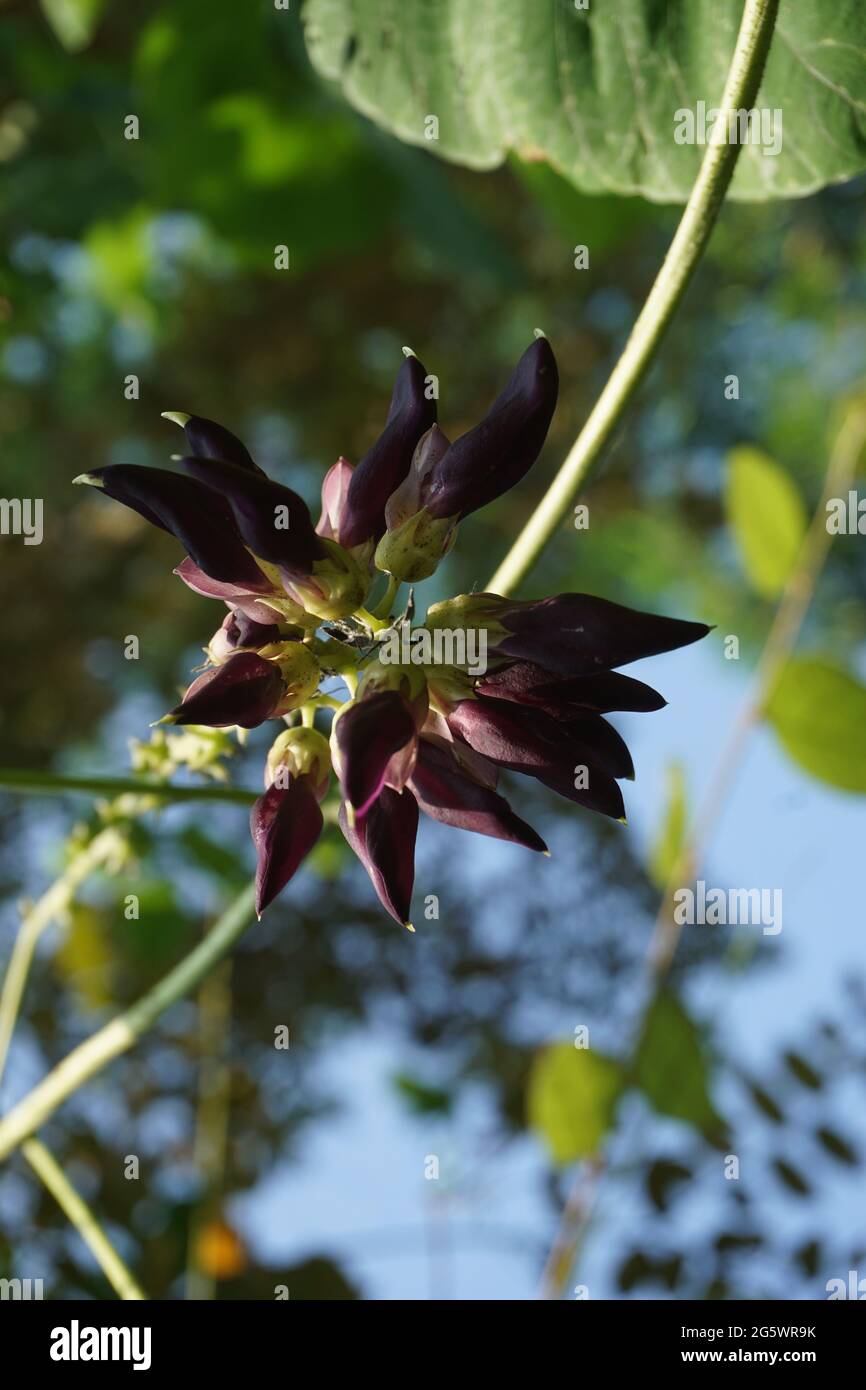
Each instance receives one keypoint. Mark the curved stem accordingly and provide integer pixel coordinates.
(120, 1034)
(36, 918)
(54, 784)
(684, 253)
(73, 1206)
(383, 607)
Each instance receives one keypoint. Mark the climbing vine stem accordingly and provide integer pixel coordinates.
(684, 253)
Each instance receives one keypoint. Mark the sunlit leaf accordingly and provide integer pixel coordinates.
(768, 518)
(819, 714)
(672, 1068)
(571, 1099)
(597, 92)
(73, 21)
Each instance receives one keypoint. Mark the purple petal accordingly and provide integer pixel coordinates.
(590, 738)
(386, 464)
(242, 631)
(528, 741)
(192, 513)
(335, 492)
(528, 684)
(384, 841)
(254, 501)
(406, 500)
(577, 634)
(368, 736)
(285, 823)
(238, 596)
(208, 440)
(245, 690)
(446, 794)
(496, 454)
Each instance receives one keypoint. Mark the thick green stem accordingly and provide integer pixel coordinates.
(53, 784)
(119, 1035)
(684, 253)
(45, 1165)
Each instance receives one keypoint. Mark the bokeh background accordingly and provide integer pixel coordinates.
(306, 1167)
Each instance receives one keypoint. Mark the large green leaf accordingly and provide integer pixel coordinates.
(819, 713)
(672, 1069)
(768, 518)
(595, 91)
(571, 1099)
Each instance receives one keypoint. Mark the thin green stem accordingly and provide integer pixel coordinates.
(122, 1032)
(73, 1206)
(385, 604)
(53, 784)
(684, 253)
(36, 918)
(373, 623)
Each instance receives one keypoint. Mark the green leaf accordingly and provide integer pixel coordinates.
(819, 713)
(597, 93)
(73, 21)
(571, 1099)
(768, 518)
(672, 1068)
(669, 842)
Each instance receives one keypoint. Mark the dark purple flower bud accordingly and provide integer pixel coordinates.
(241, 631)
(373, 741)
(208, 440)
(384, 841)
(285, 824)
(497, 453)
(238, 631)
(406, 500)
(273, 520)
(527, 741)
(335, 494)
(386, 464)
(245, 690)
(576, 634)
(445, 792)
(589, 738)
(528, 684)
(188, 510)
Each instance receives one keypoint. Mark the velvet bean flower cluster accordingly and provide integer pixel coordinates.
(407, 737)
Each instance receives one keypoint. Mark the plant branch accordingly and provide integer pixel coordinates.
(684, 253)
(122, 1032)
(73, 1206)
(36, 918)
(50, 783)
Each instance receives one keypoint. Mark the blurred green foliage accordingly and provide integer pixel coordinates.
(154, 258)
